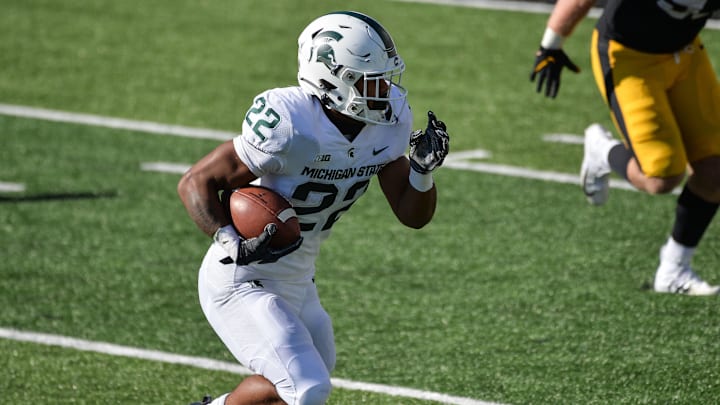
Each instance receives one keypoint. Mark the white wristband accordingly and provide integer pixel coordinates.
(551, 39)
(421, 182)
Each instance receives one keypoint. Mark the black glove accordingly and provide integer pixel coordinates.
(271, 255)
(429, 148)
(256, 249)
(549, 64)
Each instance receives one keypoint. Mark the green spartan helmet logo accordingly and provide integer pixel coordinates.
(325, 52)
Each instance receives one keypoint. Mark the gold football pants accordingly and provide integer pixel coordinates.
(666, 106)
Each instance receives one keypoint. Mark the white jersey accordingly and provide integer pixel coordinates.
(292, 147)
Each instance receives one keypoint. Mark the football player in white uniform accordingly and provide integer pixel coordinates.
(319, 145)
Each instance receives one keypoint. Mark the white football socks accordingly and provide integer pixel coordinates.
(677, 252)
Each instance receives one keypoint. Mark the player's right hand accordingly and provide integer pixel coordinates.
(271, 255)
(254, 249)
(548, 67)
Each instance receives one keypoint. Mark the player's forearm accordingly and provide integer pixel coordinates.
(567, 14)
(202, 204)
(416, 208)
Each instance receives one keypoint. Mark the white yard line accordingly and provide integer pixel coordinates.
(210, 364)
(564, 138)
(164, 167)
(11, 187)
(514, 171)
(522, 6)
(110, 122)
(458, 160)
(503, 5)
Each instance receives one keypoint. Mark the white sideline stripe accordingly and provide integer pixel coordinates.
(453, 160)
(514, 171)
(503, 5)
(564, 138)
(522, 6)
(117, 350)
(118, 123)
(12, 187)
(216, 365)
(164, 167)
(458, 160)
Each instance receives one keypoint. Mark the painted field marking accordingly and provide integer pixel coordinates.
(502, 5)
(522, 6)
(216, 365)
(11, 187)
(165, 167)
(110, 122)
(564, 138)
(458, 160)
(466, 160)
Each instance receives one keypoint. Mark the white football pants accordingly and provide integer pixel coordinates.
(275, 328)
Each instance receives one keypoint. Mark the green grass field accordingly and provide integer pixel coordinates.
(518, 292)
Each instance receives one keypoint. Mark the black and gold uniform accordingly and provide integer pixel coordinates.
(654, 73)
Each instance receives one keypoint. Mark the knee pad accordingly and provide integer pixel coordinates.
(317, 394)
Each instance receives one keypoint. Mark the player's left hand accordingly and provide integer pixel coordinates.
(548, 66)
(428, 148)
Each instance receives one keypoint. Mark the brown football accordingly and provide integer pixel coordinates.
(253, 207)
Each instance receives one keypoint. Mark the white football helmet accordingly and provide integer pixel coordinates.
(350, 63)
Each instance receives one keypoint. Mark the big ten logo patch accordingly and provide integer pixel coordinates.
(322, 158)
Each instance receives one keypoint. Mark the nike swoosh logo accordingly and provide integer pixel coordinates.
(378, 151)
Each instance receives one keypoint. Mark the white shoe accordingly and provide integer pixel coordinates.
(677, 277)
(595, 169)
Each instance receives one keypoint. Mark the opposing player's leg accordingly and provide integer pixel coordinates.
(695, 100)
(675, 273)
(595, 169)
(695, 210)
(602, 155)
(633, 86)
(662, 131)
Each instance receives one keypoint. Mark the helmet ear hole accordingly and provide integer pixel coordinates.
(350, 77)
(326, 85)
